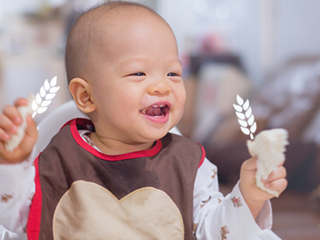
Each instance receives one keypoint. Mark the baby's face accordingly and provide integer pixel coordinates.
(136, 80)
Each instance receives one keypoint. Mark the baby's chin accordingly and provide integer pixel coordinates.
(155, 134)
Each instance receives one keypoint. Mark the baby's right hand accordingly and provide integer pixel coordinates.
(10, 119)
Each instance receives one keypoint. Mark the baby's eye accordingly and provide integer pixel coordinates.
(138, 74)
(172, 74)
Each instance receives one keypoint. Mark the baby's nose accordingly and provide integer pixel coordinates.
(160, 86)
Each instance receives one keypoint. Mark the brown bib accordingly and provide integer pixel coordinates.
(85, 194)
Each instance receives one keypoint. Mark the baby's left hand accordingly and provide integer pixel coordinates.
(253, 195)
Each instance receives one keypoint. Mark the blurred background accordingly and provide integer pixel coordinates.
(267, 51)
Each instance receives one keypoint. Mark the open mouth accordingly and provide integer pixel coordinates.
(156, 110)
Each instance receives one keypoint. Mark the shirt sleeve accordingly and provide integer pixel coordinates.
(17, 188)
(229, 217)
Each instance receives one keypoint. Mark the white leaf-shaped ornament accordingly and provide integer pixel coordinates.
(246, 105)
(41, 109)
(245, 117)
(245, 130)
(46, 103)
(38, 99)
(42, 92)
(243, 123)
(239, 100)
(249, 112)
(251, 120)
(240, 116)
(46, 85)
(50, 96)
(54, 89)
(44, 97)
(53, 81)
(253, 127)
(237, 108)
(34, 105)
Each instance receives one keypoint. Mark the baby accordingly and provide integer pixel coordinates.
(121, 175)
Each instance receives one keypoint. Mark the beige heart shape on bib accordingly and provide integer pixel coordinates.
(89, 211)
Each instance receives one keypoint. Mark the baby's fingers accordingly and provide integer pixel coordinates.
(21, 102)
(6, 127)
(276, 180)
(12, 112)
(278, 173)
(4, 136)
(10, 119)
(278, 185)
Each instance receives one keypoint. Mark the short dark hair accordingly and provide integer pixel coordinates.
(77, 46)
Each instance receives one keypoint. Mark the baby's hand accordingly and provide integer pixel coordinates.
(10, 120)
(255, 196)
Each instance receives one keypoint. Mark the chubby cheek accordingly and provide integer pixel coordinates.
(180, 97)
(128, 105)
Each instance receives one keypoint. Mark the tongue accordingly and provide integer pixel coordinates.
(153, 111)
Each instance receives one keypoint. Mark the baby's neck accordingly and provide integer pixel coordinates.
(116, 147)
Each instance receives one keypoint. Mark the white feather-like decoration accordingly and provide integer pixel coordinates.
(245, 117)
(269, 147)
(44, 96)
(16, 139)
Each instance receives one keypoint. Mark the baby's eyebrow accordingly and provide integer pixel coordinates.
(175, 61)
(133, 60)
(132, 63)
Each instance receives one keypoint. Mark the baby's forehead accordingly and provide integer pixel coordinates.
(98, 27)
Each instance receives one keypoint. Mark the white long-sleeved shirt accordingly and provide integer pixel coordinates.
(215, 216)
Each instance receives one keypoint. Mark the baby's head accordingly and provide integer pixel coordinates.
(124, 72)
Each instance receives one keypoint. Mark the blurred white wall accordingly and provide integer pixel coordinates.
(297, 29)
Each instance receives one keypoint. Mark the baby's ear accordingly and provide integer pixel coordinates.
(81, 92)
